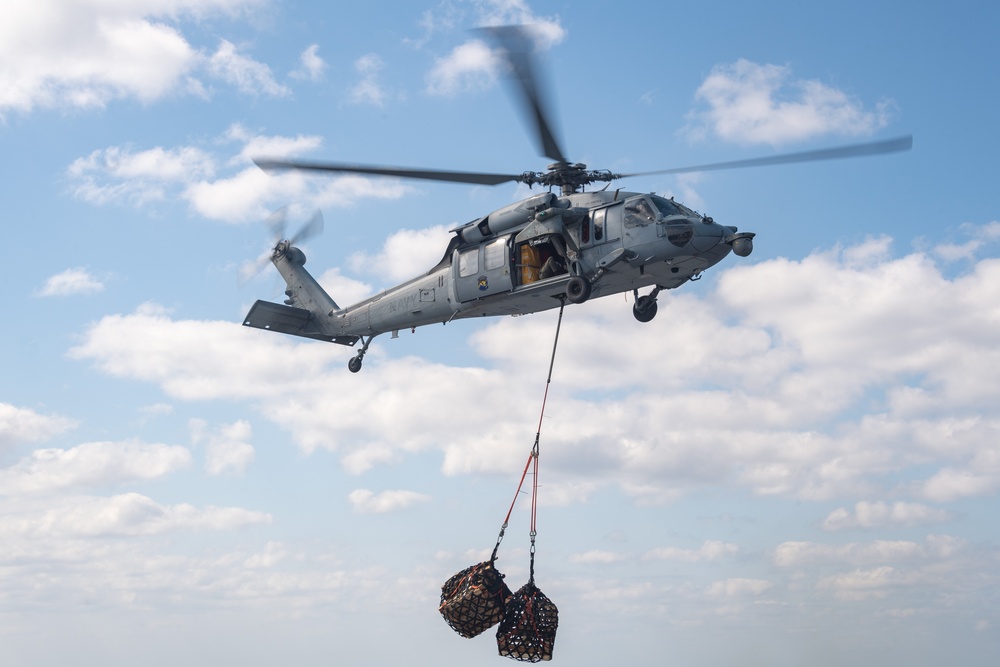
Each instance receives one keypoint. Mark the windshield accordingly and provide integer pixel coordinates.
(668, 207)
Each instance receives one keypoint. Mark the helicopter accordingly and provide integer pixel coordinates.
(565, 244)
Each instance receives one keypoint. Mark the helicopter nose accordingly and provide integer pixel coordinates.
(707, 235)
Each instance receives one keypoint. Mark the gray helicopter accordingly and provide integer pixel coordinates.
(532, 255)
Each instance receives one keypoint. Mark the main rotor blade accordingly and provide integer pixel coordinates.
(517, 44)
(838, 152)
(475, 178)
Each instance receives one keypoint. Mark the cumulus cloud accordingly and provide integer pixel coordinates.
(472, 65)
(70, 282)
(313, 66)
(200, 360)
(598, 557)
(749, 103)
(752, 368)
(21, 425)
(215, 181)
(245, 73)
(709, 551)
(127, 514)
(256, 145)
(953, 484)
(91, 464)
(739, 587)
(121, 174)
(364, 501)
(976, 238)
(475, 64)
(406, 253)
(344, 290)
(369, 90)
(83, 54)
(882, 515)
(226, 448)
(878, 552)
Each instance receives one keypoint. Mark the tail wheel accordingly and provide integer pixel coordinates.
(578, 289)
(354, 365)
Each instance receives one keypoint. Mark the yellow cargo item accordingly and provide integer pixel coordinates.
(531, 262)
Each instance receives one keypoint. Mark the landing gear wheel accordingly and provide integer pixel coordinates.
(354, 365)
(578, 289)
(644, 309)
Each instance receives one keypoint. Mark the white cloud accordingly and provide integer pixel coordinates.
(91, 464)
(267, 146)
(709, 551)
(739, 587)
(598, 557)
(733, 399)
(369, 90)
(127, 514)
(313, 66)
(343, 290)
(273, 553)
(226, 448)
(83, 54)
(475, 64)
(70, 282)
(545, 31)
(953, 484)
(405, 254)
(799, 554)
(248, 75)
(201, 360)
(157, 163)
(882, 515)
(979, 237)
(750, 103)
(206, 179)
(246, 196)
(364, 501)
(470, 66)
(20, 425)
(864, 584)
(122, 175)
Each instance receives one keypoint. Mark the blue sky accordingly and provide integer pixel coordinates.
(796, 462)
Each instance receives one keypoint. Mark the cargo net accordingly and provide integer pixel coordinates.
(473, 600)
(528, 629)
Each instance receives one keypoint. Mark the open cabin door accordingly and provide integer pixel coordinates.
(482, 270)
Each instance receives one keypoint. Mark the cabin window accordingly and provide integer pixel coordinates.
(494, 256)
(468, 263)
(585, 230)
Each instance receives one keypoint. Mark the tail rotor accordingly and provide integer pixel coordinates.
(277, 223)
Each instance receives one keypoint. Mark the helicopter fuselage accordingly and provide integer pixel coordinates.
(524, 258)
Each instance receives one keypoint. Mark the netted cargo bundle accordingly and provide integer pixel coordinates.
(473, 600)
(528, 629)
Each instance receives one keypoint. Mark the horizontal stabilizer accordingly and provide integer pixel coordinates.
(290, 320)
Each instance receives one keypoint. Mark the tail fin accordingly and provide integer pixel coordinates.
(308, 308)
(301, 288)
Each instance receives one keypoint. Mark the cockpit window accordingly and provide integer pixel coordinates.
(638, 212)
(667, 207)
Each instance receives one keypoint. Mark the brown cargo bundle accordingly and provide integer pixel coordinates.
(473, 600)
(528, 629)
